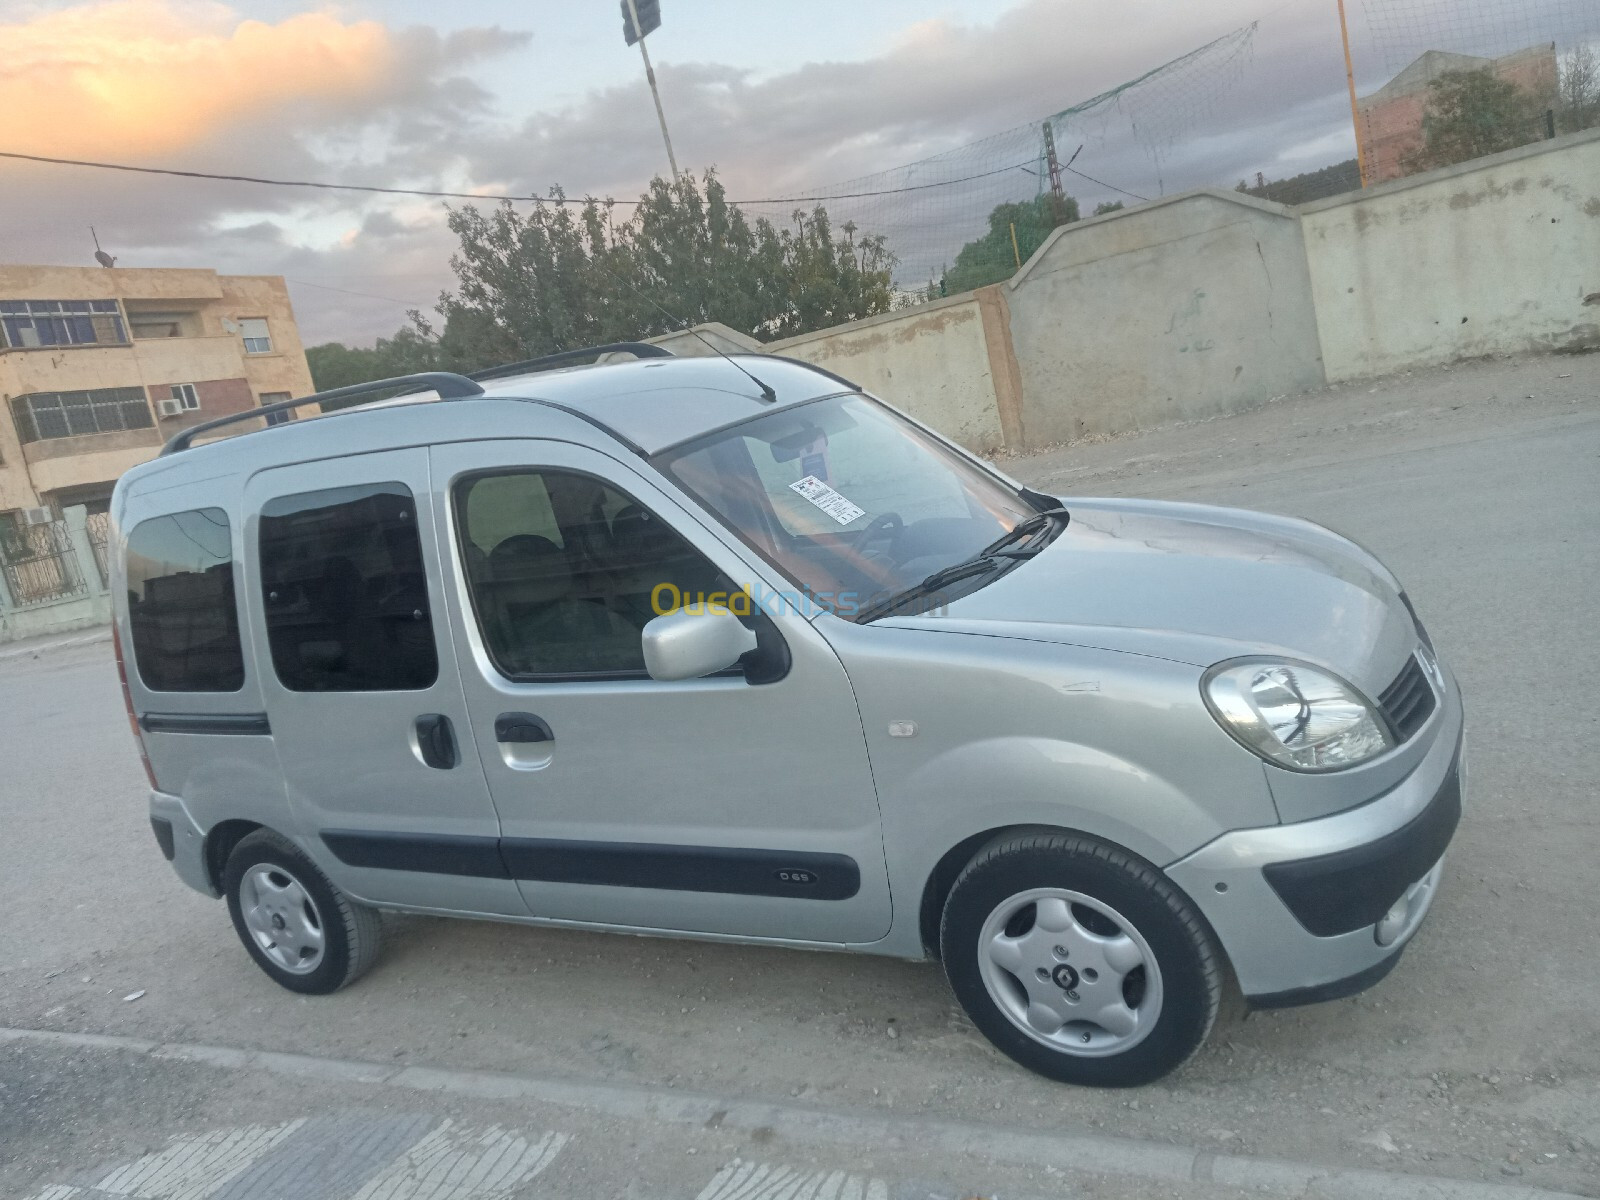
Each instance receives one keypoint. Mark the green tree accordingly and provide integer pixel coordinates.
(1108, 206)
(1471, 114)
(334, 364)
(564, 275)
(993, 257)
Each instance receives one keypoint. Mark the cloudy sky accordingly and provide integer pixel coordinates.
(491, 96)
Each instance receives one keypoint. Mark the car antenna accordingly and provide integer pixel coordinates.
(767, 394)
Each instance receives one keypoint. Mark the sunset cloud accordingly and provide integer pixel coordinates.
(137, 78)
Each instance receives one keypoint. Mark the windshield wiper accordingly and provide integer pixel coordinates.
(995, 556)
(1025, 528)
(979, 564)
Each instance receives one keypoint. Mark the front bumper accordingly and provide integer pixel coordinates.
(188, 841)
(1320, 909)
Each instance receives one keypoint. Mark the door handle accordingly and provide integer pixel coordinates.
(521, 728)
(436, 739)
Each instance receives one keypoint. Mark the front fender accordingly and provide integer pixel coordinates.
(969, 734)
(1003, 781)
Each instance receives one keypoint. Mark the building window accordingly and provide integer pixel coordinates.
(185, 394)
(156, 325)
(276, 398)
(256, 338)
(32, 324)
(45, 415)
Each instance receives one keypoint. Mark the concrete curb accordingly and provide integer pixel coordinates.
(31, 647)
(1155, 1161)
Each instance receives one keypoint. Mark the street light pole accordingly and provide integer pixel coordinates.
(650, 74)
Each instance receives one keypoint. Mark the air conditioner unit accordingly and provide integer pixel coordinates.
(169, 408)
(37, 516)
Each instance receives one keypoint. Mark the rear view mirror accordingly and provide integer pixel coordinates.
(689, 645)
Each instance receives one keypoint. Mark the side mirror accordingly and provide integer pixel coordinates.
(685, 645)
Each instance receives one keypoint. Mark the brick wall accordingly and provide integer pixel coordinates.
(218, 398)
(1392, 121)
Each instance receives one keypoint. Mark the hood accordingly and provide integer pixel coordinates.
(1199, 584)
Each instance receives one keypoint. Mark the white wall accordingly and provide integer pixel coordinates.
(1183, 308)
(1498, 256)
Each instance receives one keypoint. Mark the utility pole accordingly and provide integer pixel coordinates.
(633, 27)
(1355, 110)
(1057, 192)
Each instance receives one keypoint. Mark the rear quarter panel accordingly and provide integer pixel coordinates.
(218, 777)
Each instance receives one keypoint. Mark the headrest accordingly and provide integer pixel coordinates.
(529, 569)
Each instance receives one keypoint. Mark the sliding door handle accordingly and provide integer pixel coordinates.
(436, 741)
(521, 728)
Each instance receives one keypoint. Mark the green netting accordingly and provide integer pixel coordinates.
(942, 216)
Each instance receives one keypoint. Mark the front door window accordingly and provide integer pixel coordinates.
(565, 571)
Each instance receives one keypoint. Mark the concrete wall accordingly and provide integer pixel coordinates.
(932, 361)
(1498, 256)
(1183, 308)
(90, 606)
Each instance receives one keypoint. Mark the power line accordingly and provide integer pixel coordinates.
(392, 191)
(1103, 183)
(368, 295)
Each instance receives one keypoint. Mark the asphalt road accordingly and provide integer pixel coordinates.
(1478, 1059)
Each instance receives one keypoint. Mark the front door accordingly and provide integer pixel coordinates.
(361, 686)
(709, 805)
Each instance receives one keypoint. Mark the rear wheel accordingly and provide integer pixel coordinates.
(301, 930)
(1079, 960)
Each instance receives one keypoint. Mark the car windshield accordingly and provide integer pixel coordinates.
(852, 502)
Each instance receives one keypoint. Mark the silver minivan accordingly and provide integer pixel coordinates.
(726, 648)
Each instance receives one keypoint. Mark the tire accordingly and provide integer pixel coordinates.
(305, 933)
(1045, 936)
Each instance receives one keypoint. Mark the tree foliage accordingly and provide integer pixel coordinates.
(1108, 206)
(1312, 185)
(567, 274)
(1579, 90)
(993, 257)
(1471, 114)
(334, 364)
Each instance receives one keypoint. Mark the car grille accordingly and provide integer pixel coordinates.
(1408, 702)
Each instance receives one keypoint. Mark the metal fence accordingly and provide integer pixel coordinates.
(39, 563)
(98, 526)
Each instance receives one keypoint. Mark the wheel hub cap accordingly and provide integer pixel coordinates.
(1105, 1000)
(282, 919)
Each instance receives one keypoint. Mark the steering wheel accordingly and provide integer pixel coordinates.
(887, 525)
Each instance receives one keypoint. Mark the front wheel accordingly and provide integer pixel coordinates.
(1079, 960)
(301, 929)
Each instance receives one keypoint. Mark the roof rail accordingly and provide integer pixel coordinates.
(527, 366)
(448, 384)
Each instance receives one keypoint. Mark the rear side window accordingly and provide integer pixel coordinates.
(345, 591)
(181, 608)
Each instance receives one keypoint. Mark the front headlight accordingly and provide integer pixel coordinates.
(1299, 717)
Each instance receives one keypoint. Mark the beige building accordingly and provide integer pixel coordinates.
(99, 367)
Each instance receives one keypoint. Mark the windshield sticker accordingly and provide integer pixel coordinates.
(828, 500)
